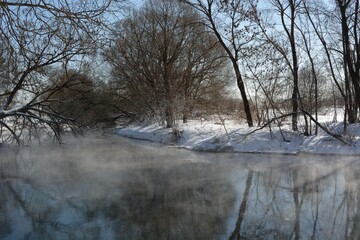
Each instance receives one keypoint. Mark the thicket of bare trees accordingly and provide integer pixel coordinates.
(165, 62)
(309, 41)
(79, 97)
(302, 47)
(168, 59)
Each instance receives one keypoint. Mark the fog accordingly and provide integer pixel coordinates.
(115, 188)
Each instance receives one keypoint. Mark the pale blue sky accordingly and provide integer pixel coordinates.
(136, 3)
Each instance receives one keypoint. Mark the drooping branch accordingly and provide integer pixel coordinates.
(35, 38)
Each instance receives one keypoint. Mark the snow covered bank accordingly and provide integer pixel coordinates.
(233, 137)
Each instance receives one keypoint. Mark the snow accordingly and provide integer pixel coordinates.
(232, 136)
(11, 111)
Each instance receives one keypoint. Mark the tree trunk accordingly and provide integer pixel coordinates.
(169, 117)
(233, 58)
(241, 86)
(294, 98)
(351, 64)
(295, 107)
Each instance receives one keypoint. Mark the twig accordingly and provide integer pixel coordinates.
(222, 120)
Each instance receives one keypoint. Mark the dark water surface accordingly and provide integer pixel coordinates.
(124, 189)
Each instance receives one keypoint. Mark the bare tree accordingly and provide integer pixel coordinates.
(312, 98)
(336, 27)
(164, 61)
(231, 22)
(348, 12)
(35, 35)
(287, 11)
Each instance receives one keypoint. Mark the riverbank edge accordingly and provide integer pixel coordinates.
(212, 141)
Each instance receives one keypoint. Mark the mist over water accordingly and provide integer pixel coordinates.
(116, 188)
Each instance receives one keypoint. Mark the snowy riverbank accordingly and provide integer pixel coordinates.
(234, 137)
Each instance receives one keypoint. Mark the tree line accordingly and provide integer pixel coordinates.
(67, 65)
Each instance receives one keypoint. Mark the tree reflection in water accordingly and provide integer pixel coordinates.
(109, 193)
(303, 200)
(119, 189)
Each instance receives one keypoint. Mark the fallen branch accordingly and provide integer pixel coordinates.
(268, 123)
(334, 135)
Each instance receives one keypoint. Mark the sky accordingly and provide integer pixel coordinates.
(136, 3)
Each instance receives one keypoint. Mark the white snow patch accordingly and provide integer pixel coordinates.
(211, 135)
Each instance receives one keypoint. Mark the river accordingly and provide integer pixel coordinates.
(117, 188)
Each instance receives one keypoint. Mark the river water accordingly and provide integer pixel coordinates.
(116, 188)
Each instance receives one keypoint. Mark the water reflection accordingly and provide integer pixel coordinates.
(309, 200)
(121, 189)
